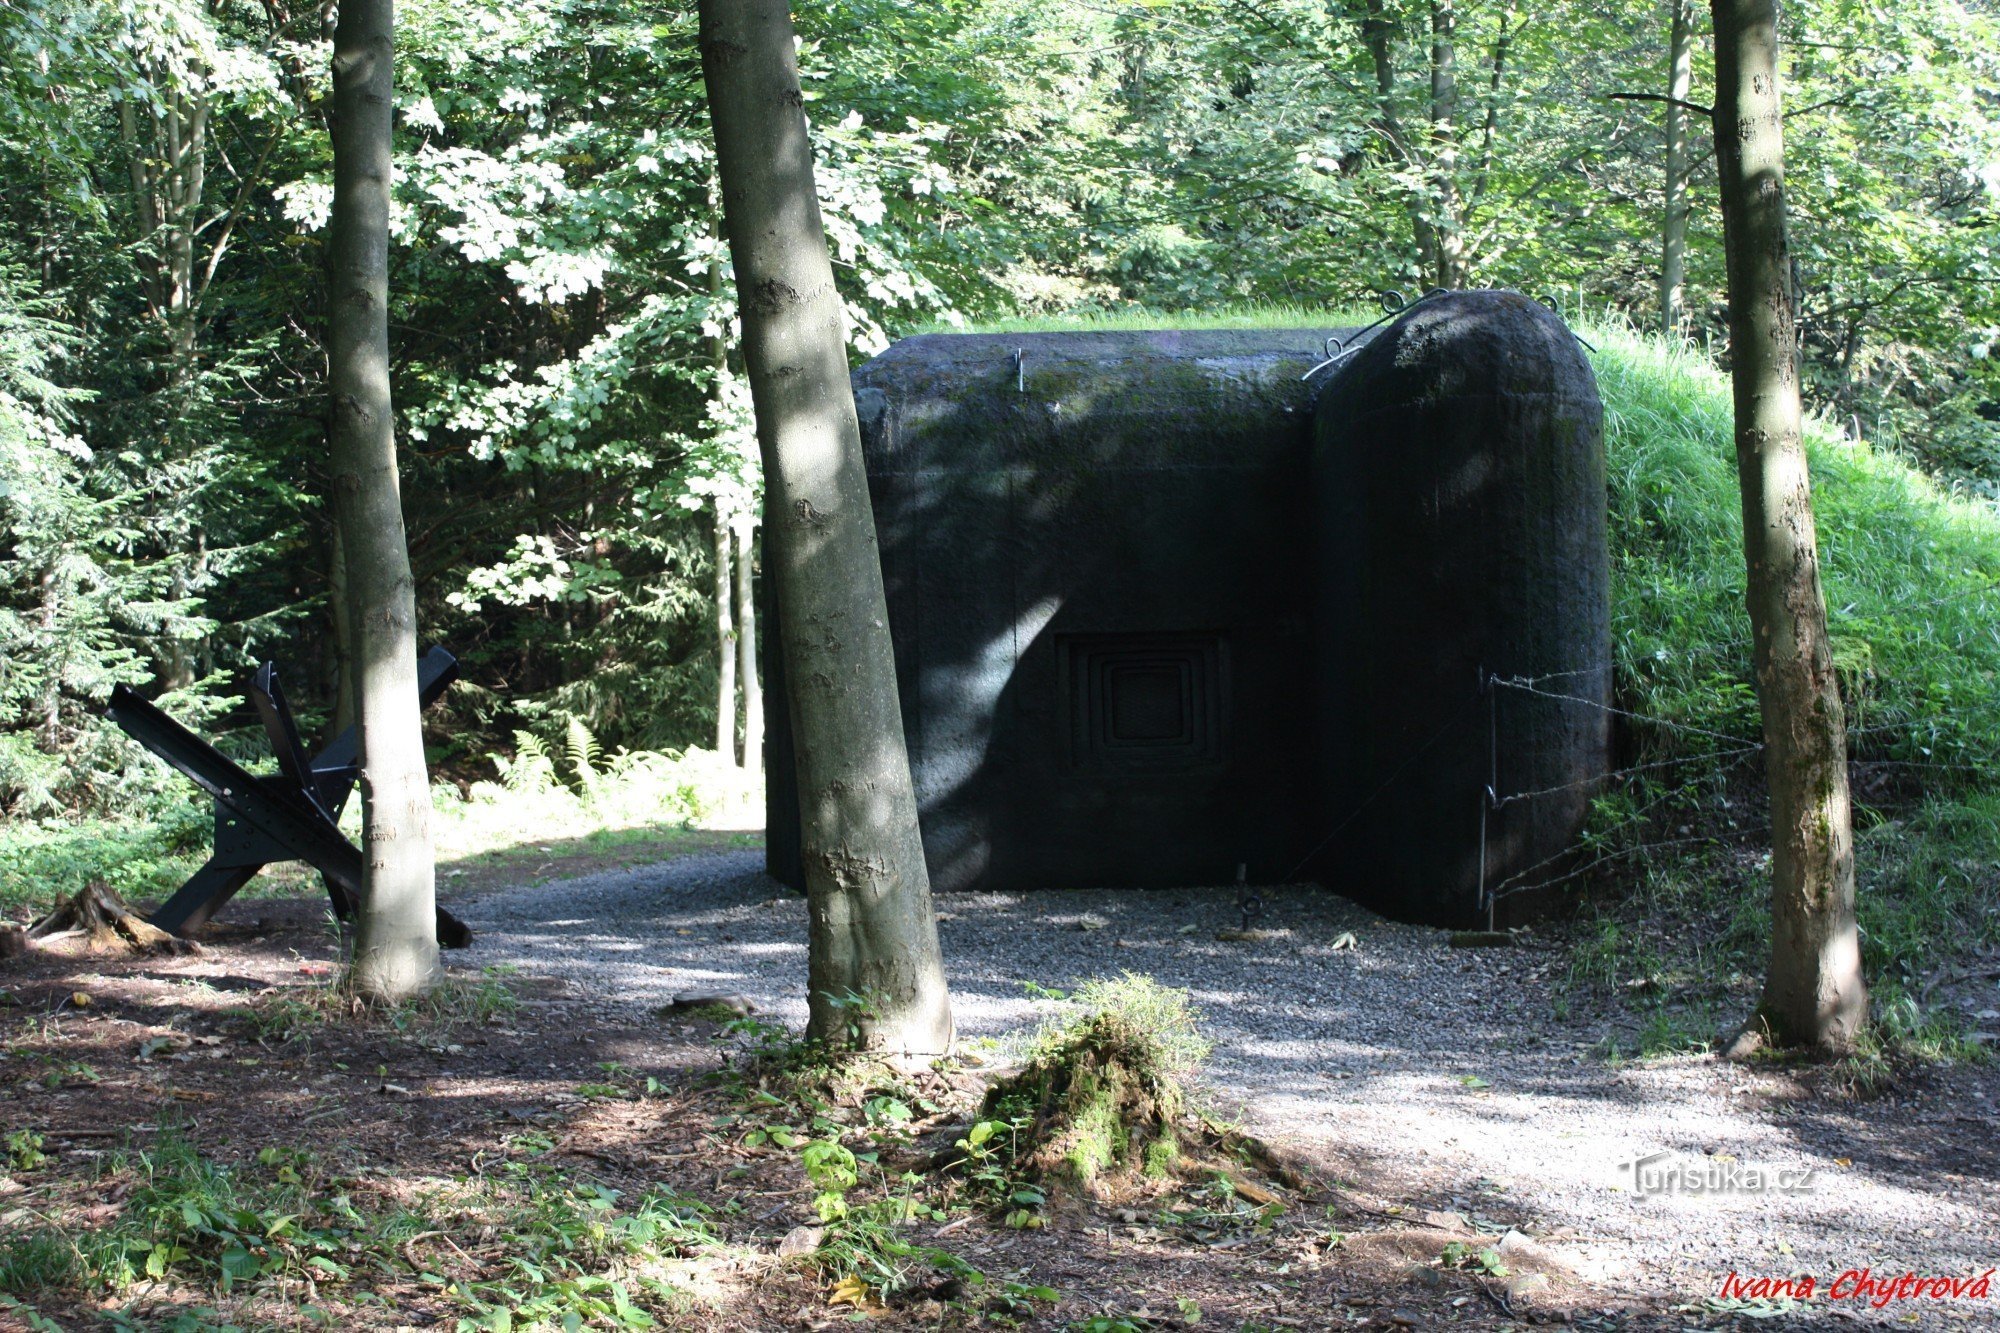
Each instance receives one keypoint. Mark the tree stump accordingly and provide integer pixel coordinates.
(99, 913)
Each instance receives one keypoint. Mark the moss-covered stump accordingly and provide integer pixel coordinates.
(1104, 1092)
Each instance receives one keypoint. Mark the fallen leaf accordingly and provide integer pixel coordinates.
(850, 1290)
(155, 1045)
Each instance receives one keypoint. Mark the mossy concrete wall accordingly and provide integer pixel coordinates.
(1109, 589)
(1459, 506)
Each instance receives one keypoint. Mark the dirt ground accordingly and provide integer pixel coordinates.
(232, 1048)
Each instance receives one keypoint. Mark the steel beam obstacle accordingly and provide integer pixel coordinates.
(293, 815)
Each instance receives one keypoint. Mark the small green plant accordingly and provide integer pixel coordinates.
(1483, 1260)
(887, 1112)
(833, 1171)
(989, 1149)
(1670, 1031)
(864, 1247)
(1019, 1299)
(585, 755)
(531, 770)
(856, 1011)
(24, 1150)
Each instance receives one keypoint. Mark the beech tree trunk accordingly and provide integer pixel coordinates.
(395, 945)
(746, 646)
(1813, 993)
(1673, 227)
(725, 645)
(1450, 268)
(875, 973)
(342, 606)
(1437, 207)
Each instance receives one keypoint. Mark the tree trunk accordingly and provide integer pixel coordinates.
(342, 607)
(746, 647)
(725, 644)
(395, 946)
(1673, 228)
(1378, 31)
(1813, 993)
(875, 973)
(1450, 272)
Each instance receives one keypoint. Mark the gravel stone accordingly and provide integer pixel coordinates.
(1410, 1067)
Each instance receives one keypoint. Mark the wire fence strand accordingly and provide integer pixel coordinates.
(1388, 782)
(1734, 751)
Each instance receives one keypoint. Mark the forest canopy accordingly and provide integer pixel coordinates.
(559, 287)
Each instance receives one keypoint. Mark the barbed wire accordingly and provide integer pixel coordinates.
(1525, 685)
(1502, 802)
(1388, 782)
(1735, 751)
(1503, 889)
(1740, 749)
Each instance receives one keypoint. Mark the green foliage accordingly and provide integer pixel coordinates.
(24, 1150)
(577, 1250)
(43, 862)
(1911, 573)
(1483, 1260)
(1155, 1027)
(531, 802)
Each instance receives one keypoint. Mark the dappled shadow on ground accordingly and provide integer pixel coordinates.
(1455, 1094)
(1468, 1078)
(413, 1125)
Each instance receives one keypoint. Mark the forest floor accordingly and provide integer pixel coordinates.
(1454, 1130)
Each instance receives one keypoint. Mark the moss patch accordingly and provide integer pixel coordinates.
(1104, 1090)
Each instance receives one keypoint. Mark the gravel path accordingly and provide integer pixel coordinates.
(1414, 1068)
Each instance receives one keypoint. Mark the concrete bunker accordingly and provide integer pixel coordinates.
(1162, 608)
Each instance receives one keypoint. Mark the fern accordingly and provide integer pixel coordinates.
(531, 769)
(584, 755)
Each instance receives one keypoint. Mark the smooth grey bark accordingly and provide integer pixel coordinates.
(1813, 992)
(725, 644)
(1450, 271)
(1673, 227)
(395, 944)
(745, 529)
(725, 633)
(875, 972)
(343, 637)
